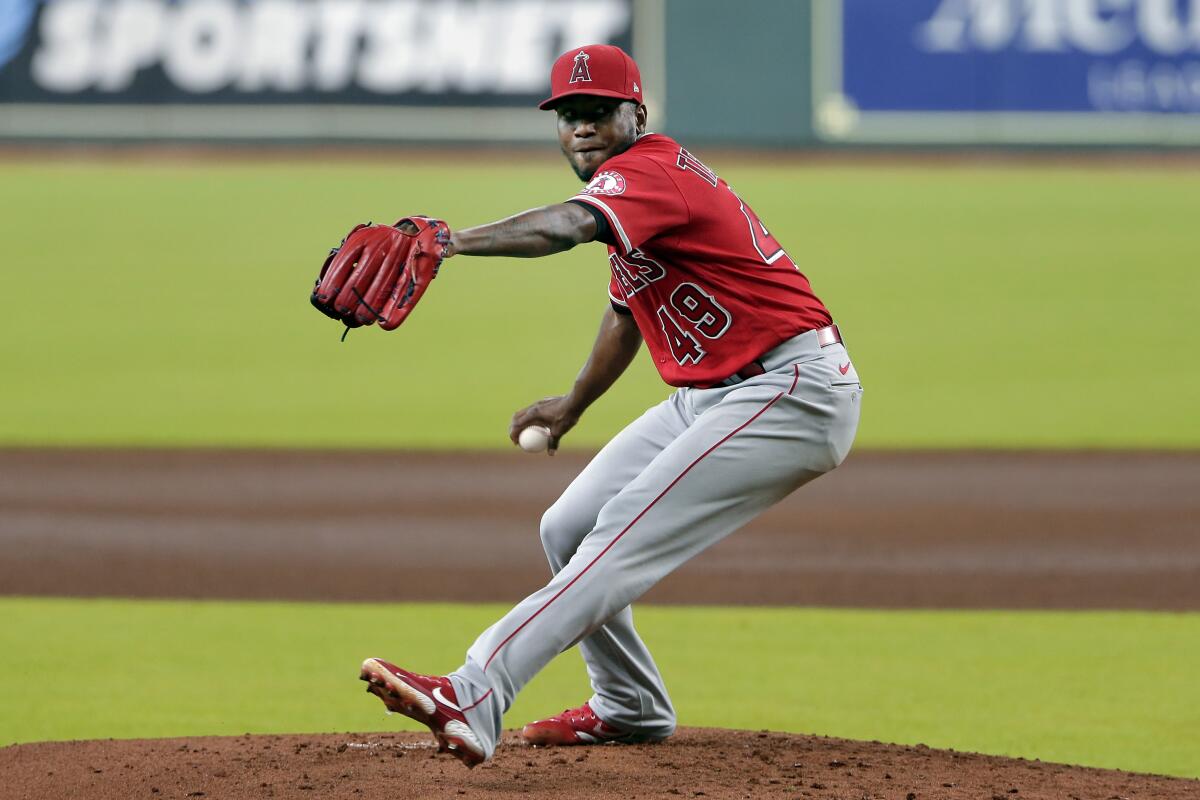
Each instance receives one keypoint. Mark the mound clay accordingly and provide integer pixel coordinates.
(697, 762)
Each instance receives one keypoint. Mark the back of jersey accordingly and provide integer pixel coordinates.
(710, 288)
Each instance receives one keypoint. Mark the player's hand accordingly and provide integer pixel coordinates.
(555, 413)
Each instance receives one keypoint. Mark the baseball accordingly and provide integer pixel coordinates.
(534, 439)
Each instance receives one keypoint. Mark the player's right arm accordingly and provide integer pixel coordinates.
(616, 345)
(537, 232)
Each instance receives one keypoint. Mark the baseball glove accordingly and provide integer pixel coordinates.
(380, 272)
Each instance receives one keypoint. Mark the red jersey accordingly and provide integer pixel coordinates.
(710, 289)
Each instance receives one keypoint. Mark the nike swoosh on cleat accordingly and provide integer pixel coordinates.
(441, 698)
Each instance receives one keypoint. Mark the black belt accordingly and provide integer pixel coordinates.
(825, 337)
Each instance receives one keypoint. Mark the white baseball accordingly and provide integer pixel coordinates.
(534, 439)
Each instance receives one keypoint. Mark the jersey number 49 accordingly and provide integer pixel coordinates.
(692, 311)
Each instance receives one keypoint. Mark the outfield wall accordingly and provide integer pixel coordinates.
(769, 72)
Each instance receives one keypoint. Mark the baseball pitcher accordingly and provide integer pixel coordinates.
(767, 400)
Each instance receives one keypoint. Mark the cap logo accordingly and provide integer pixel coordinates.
(579, 72)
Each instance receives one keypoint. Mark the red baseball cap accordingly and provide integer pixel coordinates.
(595, 69)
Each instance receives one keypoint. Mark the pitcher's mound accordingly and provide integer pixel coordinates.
(697, 762)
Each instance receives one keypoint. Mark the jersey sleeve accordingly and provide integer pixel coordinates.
(638, 199)
(603, 229)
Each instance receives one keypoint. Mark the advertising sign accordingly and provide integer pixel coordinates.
(1071, 71)
(247, 55)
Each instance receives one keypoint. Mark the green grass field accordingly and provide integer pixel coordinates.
(1102, 689)
(995, 306)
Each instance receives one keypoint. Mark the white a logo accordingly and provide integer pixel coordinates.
(580, 72)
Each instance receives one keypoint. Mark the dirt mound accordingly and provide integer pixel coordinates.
(697, 762)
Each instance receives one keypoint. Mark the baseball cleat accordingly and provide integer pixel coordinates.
(429, 700)
(575, 726)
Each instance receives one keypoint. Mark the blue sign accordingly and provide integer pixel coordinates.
(15, 17)
(990, 58)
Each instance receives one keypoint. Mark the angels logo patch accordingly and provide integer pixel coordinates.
(606, 182)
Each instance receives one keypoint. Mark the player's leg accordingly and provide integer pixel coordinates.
(748, 447)
(628, 690)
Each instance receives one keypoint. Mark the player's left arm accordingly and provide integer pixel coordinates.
(530, 234)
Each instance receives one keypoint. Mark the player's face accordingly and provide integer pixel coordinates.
(592, 130)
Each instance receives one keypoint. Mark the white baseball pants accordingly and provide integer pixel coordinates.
(687, 473)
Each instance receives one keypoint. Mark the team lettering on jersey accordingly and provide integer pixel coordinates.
(686, 160)
(707, 283)
(768, 248)
(635, 272)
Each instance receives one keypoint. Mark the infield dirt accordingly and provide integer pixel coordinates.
(941, 530)
(1086, 530)
(697, 762)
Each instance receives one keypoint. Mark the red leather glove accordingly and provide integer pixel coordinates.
(380, 272)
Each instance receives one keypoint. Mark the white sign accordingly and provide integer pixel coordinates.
(380, 46)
